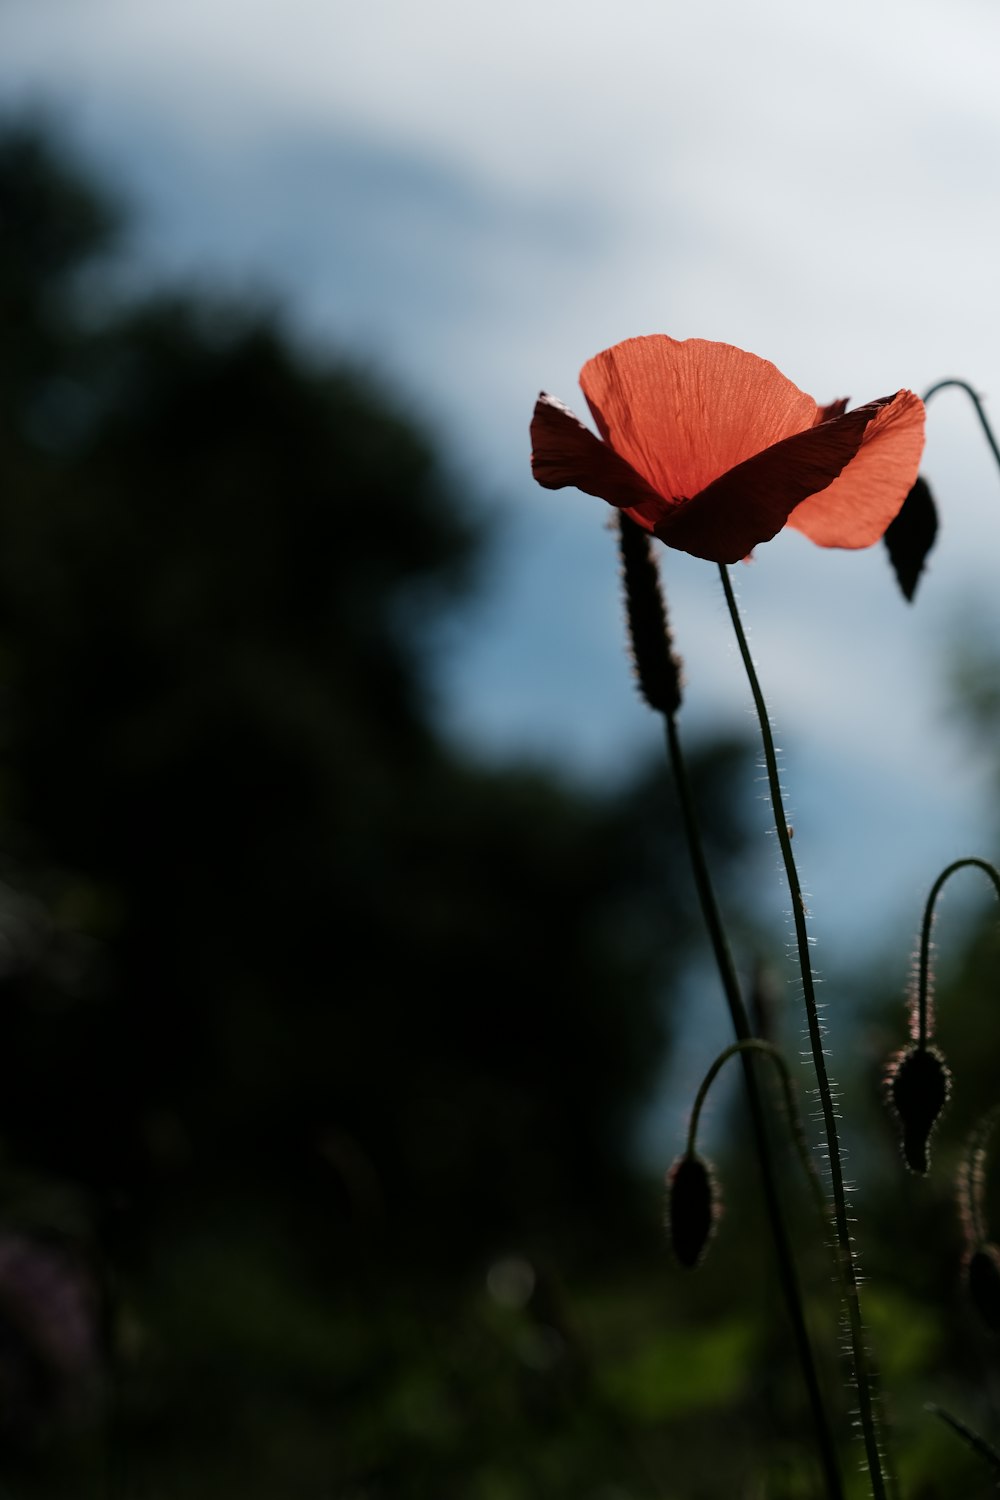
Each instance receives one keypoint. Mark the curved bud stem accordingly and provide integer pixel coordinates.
(923, 1028)
(755, 1044)
(963, 385)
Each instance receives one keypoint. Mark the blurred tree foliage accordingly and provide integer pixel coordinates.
(305, 1018)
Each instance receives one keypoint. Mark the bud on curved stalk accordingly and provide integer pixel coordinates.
(918, 1081)
(693, 1208)
(693, 1203)
(919, 1086)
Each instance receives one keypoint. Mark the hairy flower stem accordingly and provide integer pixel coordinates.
(859, 1351)
(924, 965)
(963, 385)
(787, 1273)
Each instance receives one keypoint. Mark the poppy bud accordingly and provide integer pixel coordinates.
(692, 1208)
(983, 1273)
(919, 1085)
(657, 667)
(911, 535)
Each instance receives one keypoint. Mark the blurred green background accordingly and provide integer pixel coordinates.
(325, 1051)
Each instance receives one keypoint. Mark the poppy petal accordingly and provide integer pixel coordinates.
(835, 409)
(565, 452)
(752, 502)
(856, 509)
(683, 412)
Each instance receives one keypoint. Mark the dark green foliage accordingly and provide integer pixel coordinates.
(52, 223)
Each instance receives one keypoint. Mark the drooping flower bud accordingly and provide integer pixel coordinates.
(692, 1208)
(983, 1276)
(919, 1085)
(911, 535)
(657, 666)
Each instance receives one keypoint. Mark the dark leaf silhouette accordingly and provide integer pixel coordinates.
(911, 536)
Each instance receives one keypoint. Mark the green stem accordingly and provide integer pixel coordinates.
(978, 1444)
(860, 1359)
(787, 1274)
(923, 970)
(963, 385)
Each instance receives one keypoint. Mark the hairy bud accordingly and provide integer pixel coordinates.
(692, 1208)
(919, 1085)
(657, 667)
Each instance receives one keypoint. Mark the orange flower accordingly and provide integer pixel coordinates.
(713, 450)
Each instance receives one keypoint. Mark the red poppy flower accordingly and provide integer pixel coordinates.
(713, 450)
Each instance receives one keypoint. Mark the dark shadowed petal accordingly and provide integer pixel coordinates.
(752, 502)
(683, 412)
(835, 409)
(855, 510)
(564, 452)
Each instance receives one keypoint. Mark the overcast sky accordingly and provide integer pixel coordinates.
(473, 200)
